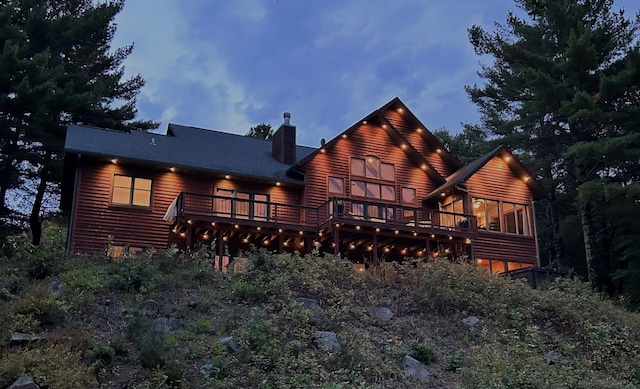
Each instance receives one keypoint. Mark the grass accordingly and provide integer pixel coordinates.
(99, 326)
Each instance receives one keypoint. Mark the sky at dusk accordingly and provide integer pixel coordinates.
(229, 65)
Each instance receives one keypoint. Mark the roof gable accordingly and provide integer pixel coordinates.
(425, 142)
(515, 166)
(378, 120)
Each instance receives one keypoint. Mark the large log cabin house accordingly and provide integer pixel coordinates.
(384, 189)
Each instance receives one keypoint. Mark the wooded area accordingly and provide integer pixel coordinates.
(563, 91)
(58, 68)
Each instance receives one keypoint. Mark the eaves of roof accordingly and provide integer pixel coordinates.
(188, 148)
(464, 173)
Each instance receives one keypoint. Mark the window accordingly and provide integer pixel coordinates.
(336, 185)
(242, 205)
(357, 188)
(373, 190)
(129, 190)
(388, 192)
(514, 216)
(371, 167)
(357, 167)
(409, 196)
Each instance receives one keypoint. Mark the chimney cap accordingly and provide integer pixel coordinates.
(287, 117)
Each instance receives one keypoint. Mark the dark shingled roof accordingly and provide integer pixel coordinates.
(186, 147)
(465, 172)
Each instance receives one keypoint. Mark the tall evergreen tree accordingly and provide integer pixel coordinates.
(467, 145)
(562, 84)
(58, 69)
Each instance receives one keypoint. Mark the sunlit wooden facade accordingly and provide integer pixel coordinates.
(384, 189)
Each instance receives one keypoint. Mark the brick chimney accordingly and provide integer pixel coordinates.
(283, 143)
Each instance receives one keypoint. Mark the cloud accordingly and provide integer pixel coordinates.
(230, 65)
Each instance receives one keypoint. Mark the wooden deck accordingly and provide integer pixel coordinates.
(340, 225)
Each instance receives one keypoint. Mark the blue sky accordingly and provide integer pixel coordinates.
(229, 65)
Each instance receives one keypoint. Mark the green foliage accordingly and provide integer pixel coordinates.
(422, 352)
(54, 366)
(135, 275)
(156, 350)
(39, 305)
(595, 342)
(102, 353)
(261, 131)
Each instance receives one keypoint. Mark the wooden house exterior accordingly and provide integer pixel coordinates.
(385, 188)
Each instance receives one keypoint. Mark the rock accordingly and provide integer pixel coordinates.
(382, 314)
(166, 324)
(192, 304)
(206, 369)
(551, 357)
(56, 286)
(20, 338)
(310, 305)
(24, 382)
(151, 308)
(230, 342)
(328, 341)
(414, 369)
(471, 321)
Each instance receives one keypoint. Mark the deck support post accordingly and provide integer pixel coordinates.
(376, 262)
(336, 241)
(189, 238)
(280, 243)
(308, 245)
(220, 242)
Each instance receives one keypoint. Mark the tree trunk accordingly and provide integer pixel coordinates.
(554, 248)
(593, 265)
(5, 183)
(35, 223)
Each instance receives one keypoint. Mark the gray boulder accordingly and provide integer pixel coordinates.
(471, 322)
(56, 286)
(166, 324)
(24, 382)
(327, 341)
(414, 369)
(551, 357)
(230, 342)
(316, 314)
(18, 338)
(382, 314)
(206, 369)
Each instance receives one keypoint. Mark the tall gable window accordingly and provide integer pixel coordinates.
(367, 175)
(371, 167)
(129, 190)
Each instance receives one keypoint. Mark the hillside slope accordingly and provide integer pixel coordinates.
(173, 321)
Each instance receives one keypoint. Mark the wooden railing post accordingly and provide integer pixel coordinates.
(276, 213)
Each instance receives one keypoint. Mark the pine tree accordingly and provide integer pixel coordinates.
(261, 131)
(562, 82)
(60, 70)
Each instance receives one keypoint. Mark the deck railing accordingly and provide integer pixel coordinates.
(400, 216)
(335, 209)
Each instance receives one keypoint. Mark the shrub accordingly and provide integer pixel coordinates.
(421, 352)
(41, 305)
(54, 366)
(135, 275)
